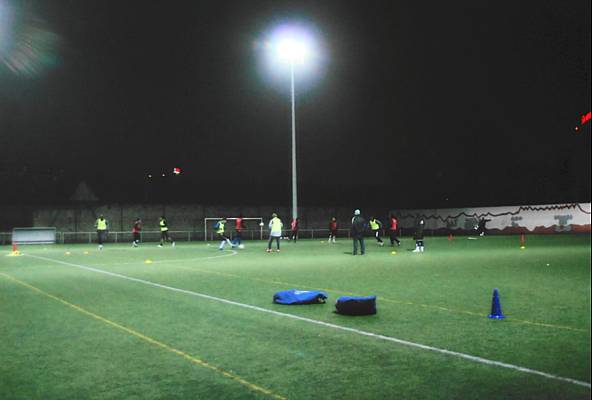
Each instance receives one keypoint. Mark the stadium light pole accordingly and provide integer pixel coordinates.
(293, 51)
(294, 176)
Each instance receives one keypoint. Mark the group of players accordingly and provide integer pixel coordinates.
(102, 226)
(358, 229)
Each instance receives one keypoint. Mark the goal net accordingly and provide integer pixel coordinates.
(252, 228)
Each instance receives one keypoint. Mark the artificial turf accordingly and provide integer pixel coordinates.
(70, 333)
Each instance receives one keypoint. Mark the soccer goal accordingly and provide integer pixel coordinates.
(253, 230)
(34, 235)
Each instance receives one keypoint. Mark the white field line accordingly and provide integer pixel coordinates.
(469, 357)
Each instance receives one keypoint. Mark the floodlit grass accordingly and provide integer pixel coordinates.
(73, 333)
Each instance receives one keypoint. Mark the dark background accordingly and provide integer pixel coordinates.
(446, 104)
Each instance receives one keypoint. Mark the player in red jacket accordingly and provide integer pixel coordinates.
(136, 229)
(332, 230)
(393, 230)
(294, 229)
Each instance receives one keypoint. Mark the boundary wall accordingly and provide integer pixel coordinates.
(540, 219)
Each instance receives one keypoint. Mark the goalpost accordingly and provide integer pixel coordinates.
(210, 221)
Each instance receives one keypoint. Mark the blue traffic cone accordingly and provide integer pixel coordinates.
(496, 307)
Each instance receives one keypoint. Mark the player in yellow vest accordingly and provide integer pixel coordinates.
(164, 232)
(102, 230)
(275, 228)
(375, 226)
(220, 233)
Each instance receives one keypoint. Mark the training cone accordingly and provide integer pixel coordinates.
(522, 241)
(496, 307)
(148, 261)
(15, 251)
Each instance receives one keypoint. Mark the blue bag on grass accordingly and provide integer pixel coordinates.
(350, 305)
(294, 296)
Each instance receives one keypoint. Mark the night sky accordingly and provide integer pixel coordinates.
(411, 104)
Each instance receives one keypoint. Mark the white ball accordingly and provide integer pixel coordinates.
(241, 246)
(261, 224)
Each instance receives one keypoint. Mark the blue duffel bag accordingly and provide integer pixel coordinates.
(350, 305)
(300, 297)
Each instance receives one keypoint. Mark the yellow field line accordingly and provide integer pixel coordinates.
(513, 320)
(150, 340)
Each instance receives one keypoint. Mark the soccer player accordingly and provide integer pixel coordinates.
(332, 230)
(136, 229)
(221, 235)
(239, 225)
(275, 227)
(294, 229)
(393, 230)
(376, 225)
(418, 235)
(481, 230)
(357, 232)
(164, 232)
(102, 230)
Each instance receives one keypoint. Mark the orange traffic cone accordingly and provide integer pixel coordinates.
(14, 251)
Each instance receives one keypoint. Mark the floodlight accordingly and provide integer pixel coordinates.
(292, 50)
(292, 46)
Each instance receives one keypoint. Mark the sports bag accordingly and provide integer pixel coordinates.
(294, 296)
(349, 305)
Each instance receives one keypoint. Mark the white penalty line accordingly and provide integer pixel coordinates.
(469, 357)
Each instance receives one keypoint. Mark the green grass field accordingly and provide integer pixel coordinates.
(70, 332)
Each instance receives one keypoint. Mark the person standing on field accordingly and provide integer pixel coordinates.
(393, 230)
(294, 230)
(376, 225)
(102, 230)
(358, 229)
(221, 234)
(481, 229)
(418, 235)
(332, 230)
(239, 225)
(275, 232)
(136, 229)
(164, 232)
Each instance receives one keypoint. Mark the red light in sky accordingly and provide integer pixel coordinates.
(176, 171)
(586, 117)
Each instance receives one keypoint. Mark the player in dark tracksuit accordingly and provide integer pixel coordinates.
(358, 229)
(418, 236)
(481, 226)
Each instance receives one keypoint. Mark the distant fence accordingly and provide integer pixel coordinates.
(178, 236)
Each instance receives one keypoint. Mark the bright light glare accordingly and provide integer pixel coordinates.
(292, 43)
(296, 46)
(292, 50)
